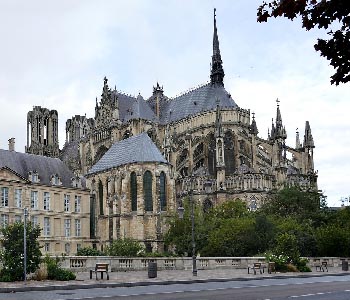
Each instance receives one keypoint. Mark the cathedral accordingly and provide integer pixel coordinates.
(142, 157)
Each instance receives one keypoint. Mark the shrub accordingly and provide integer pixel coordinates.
(55, 272)
(125, 247)
(302, 265)
(88, 251)
(280, 261)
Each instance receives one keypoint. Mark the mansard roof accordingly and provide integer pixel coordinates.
(203, 98)
(23, 163)
(136, 149)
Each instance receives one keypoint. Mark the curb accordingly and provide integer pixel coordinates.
(148, 283)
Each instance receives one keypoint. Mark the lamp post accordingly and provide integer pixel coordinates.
(25, 212)
(181, 215)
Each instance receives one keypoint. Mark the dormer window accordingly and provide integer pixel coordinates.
(55, 179)
(76, 182)
(33, 176)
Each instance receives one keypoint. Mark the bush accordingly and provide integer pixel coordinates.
(125, 247)
(12, 253)
(302, 265)
(280, 261)
(88, 251)
(55, 272)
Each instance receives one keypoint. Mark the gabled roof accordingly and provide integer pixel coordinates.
(136, 149)
(23, 163)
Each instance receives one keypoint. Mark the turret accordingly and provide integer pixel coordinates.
(253, 129)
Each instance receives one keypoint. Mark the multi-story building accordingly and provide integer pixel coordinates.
(54, 197)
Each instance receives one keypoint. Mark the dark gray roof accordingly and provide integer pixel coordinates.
(23, 163)
(203, 98)
(196, 101)
(136, 149)
(134, 108)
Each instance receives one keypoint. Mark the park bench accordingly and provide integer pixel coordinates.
(322, 266)
(256, 266)
(102, 268)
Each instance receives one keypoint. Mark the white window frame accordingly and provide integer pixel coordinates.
(67, 225)
(77, 227)
(18, 198)
(4, 219)
(47, 247)
(34, 220)
(47, 200)
(67, 248)
(77, 204)
(34, 199)
(4, 196)
(66, 202)
(47, 227)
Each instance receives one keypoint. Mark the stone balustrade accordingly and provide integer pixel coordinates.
(84, 263)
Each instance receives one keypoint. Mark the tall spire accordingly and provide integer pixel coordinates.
(217, 71)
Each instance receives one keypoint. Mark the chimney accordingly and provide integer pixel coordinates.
(12, 144)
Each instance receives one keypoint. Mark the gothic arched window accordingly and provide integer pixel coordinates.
(100, 196)
(229, 153)
(162, 191)
(211, 154)
(147, 191)
(133, 191)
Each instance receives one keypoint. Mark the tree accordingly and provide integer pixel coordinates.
(324, 14)
(294, 202)
(12, 254)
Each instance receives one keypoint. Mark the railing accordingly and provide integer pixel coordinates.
(84, 263)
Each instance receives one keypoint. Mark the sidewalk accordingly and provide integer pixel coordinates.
(138, 278)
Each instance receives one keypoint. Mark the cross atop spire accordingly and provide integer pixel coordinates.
(217, 71)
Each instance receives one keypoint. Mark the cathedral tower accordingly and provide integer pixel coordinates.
(42, 132)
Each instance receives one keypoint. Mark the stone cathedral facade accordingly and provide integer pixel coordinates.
(141, 157)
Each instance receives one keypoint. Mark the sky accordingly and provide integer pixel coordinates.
(55, 54)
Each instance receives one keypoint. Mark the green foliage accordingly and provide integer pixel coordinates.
(89, 251)
(293, 224)
(280, 261)
(55, 272)
(302, 265)
(124, 247)
(287, 245)
(12, 254)
(234, 237)
(230, 209)
(333, 240)
(293, 202)
(323, 15)
(180, 230)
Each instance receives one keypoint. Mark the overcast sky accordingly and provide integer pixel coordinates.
(55, 54)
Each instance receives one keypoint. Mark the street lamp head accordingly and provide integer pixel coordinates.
(181, 211)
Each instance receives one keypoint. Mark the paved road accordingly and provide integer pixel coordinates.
(312, 288)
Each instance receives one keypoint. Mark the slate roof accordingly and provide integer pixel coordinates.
(203, 98)
(134, 108)
(23, 163)
(136, 149)
(196, 101)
